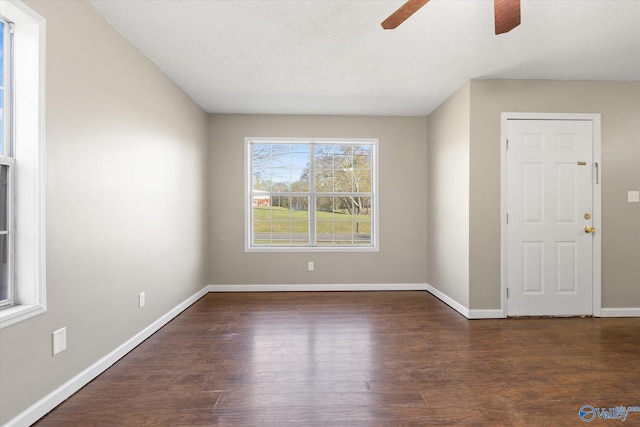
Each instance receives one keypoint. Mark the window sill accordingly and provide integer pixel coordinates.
(311, 249)
(12, 315)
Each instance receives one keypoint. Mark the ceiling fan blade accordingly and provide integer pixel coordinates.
(401, 15)
(507, 15)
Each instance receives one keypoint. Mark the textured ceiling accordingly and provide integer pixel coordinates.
(332, 57)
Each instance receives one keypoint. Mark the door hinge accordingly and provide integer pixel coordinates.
(507, 219)
(507, 144)
(507, 292)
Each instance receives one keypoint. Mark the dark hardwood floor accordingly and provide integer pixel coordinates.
(362, 359)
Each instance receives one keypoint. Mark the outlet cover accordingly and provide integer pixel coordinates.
(141, 299)
(59, 340)
(633, 196)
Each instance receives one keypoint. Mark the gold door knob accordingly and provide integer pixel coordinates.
(589, 230)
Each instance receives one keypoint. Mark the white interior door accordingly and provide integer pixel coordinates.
(549, 206)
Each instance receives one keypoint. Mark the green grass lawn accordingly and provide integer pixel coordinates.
(282, 220)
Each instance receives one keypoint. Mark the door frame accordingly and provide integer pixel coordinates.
(597, 199)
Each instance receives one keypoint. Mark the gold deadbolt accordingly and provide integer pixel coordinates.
(587, 216)
(589, 230)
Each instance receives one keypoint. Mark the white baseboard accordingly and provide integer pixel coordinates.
(466, 312)
(486, 314)
(53, 399)
(620, 312)
(469, 314)
(449, 301)
(320, 287)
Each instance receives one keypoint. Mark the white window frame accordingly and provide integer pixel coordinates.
(248, 203)
(7, 160)
(29, 169)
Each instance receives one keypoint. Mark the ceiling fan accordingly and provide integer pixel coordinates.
(506, 14)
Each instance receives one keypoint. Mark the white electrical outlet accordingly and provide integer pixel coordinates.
(310, 266)
(141, 300)
(59, 340)
(633, 196)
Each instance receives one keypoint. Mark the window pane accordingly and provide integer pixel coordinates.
(324, 166)
(262, 199)
(343, 220)
(260, 167)
(324, 220)
(362, 168)
(343, 171)
(362, 220)
(343, 230)
(324, 180)
(323, 156)
(280, 167)
(300, 180)
(4, 197)
(324, 208)
(4, 267)
(285, 223)
(343, 168)
(4, 235)
(300, 232)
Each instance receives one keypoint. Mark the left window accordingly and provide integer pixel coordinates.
(22, 216)
(6, 164)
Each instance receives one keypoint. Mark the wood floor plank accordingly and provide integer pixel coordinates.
(361, 359)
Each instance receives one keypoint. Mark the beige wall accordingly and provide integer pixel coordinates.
(126, 153)
(402, 195)
(448, 190)
(619, 104)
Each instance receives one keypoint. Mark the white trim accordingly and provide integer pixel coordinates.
(449, 301)
(16, 314)
(486, 314)
(248, 190)
(320, 287)
(503, 213)
(597, 200)
(59, 395)
(470, 314)
(597, 218)
(293, 249)
(620, 312)
(466, 312)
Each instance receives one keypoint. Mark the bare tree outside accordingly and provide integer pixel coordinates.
(281, 168)
(344, 168)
